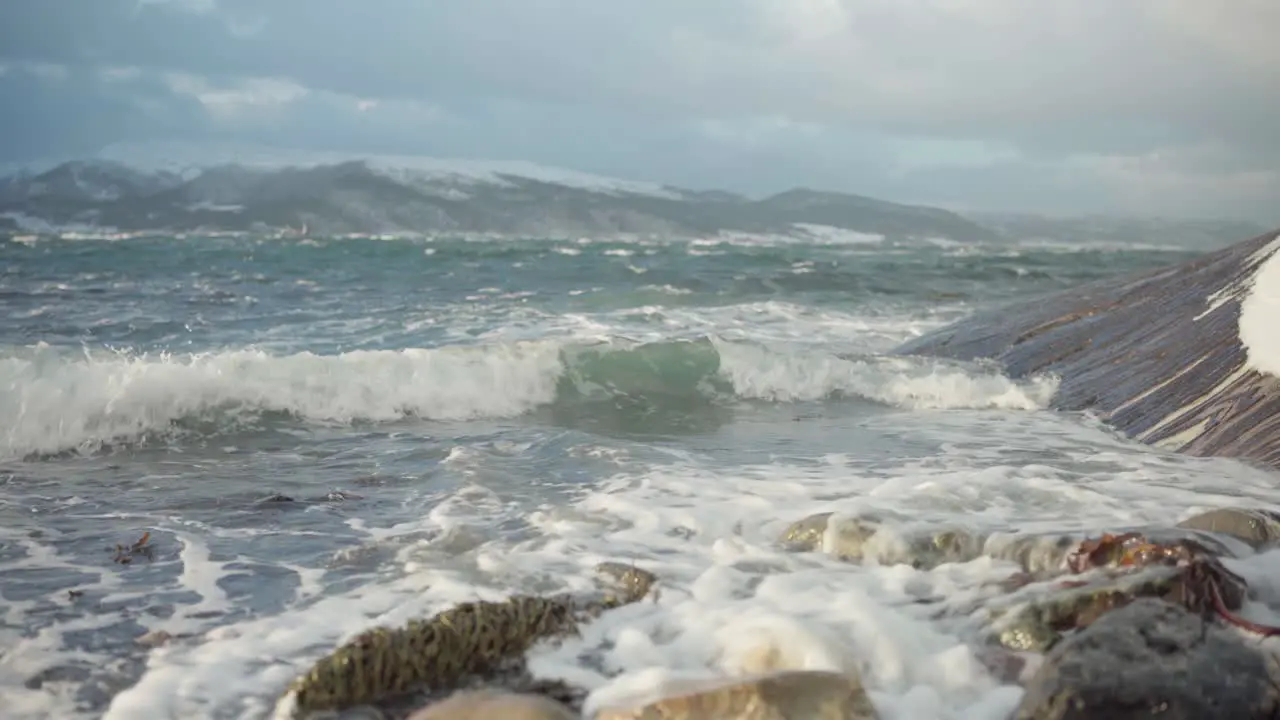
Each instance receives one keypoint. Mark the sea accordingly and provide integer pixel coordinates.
(313, 436)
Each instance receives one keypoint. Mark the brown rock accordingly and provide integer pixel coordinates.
(857, 539)
(155, 638)
(1255, 527)
(494, 704)
(806, 535)
(790, 695)
(1038, 624)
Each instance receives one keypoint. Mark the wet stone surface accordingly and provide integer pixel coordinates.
(1152, 659)
(813, 695)
(1122, 624)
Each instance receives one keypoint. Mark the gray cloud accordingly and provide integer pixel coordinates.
(1141, 105)
(55, 111)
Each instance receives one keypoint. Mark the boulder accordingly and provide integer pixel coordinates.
(493, 704)
(1227, 532)
(792, 694)
(1254, 527)
(1151, 659)
(484, 640)
(857, 539)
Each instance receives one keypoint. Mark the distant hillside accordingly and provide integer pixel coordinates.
(176, 187)
(132, 189)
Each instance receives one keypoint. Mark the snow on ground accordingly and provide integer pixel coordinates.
(186, 158)
(1260, 313)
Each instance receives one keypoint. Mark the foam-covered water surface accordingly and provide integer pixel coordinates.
(320, 436)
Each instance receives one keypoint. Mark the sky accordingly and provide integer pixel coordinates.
(1147, 107)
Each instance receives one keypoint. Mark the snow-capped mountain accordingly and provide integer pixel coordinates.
(179, 187)
(185, 187)
(87, 180)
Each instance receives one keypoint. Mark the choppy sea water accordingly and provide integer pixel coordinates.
(322, 435)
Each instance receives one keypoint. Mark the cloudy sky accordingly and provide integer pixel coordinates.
(1137, 106)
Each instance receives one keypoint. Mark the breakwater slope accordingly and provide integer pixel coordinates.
(1186, 357)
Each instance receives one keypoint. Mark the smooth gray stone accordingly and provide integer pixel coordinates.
(1148, 660)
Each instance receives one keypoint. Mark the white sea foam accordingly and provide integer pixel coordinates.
(731, 601)
(54, 402)
(1260, 314)
(1070, 247)
(757, 372)
(837, 236)
(773, 321)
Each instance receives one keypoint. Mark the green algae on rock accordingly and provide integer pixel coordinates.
(445, 651)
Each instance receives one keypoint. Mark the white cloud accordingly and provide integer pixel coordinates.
(239, 25)
(912, 154)
(195, 6)
(958, 66)
(753, 133)
(1242, 33)
(45, 70)
(242, 99)
(119, 73)
(1195, 178)
(246, 27)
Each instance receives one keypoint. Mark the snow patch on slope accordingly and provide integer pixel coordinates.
(190, 159)
(1260, 315)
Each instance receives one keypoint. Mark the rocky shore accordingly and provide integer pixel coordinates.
(1138, 622)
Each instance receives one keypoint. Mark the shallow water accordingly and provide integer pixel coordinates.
(324, 435)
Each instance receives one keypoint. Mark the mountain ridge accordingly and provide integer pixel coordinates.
(184, 188)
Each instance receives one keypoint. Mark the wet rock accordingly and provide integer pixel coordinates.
(1254, 527)
(155, 638)
(275, 498)
(486, 704)
(67, 674)
(341, 496)
(867, 538)
(1038, 555)
(1039, 623)
(1225, 533)
(141, 547)
(485, 640)
(806, 535)
(1009, 667)
(808, 694)
(1152, 659)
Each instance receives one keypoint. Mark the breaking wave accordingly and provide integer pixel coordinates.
(56, 401)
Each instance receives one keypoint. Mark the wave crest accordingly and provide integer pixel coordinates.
(56, 401)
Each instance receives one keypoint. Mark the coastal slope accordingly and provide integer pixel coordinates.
(1184, 358)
